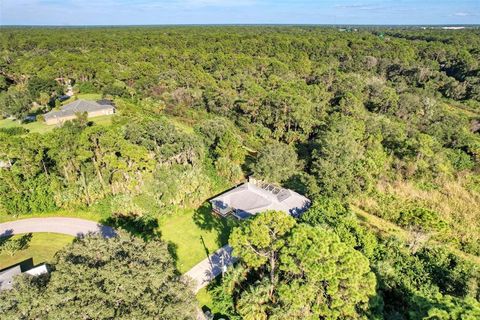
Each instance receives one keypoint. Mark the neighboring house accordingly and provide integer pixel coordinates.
(7, 275)
(69, 111)
(256, 196)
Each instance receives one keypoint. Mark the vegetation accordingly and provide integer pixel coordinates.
(291, 271)
(41, 247)
(382, 123)
(121, 278)
(193, 235)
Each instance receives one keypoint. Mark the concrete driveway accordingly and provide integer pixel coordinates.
(211, 267)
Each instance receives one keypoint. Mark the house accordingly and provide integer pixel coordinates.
(7, 275)
(255, 196)
(69, 111)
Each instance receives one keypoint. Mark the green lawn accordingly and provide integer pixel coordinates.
(193, 234)
(84, 96)
(40, 127)
(42, 248)
(35, 126)
(204, 298)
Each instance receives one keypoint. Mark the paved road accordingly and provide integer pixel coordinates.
(201, 274)
(211, 267)
(71, 226)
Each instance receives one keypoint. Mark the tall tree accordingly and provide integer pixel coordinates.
(97, 278)
(295, 271)
(276, 162)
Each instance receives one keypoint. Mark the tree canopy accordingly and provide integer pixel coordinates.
(96, 278)
(296, 271)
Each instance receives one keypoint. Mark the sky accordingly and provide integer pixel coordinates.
(147, 12)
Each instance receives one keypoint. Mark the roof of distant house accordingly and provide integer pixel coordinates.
(253, 197)
(78, 106)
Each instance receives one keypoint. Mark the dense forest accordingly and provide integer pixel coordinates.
(380, 128)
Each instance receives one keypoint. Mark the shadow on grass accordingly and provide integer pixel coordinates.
(145, 227)
(12, 246)
(206, 220)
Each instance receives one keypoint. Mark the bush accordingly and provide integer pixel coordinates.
(420, 218)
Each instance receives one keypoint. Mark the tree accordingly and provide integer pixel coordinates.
(338, 162)
(15, 102)
(295, 271)
(97, 278)
(276, 162)
(259, 241)
(333, 214)
(230, 155)
(335, 280)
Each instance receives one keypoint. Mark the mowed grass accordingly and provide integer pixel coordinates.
(41, 248)
(193, 234)
(83, 96)
(204, 298)
(40, 127)
(36, 127)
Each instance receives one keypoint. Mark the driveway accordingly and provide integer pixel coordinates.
(71, 226)
(211, 267)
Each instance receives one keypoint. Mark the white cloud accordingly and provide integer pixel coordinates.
(462, 14)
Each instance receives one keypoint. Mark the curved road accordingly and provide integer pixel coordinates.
(71, 226)
(201, 274)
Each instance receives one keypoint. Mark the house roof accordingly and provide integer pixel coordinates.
(38, 270)
(6, 277)
(77, 106)
(251, 198)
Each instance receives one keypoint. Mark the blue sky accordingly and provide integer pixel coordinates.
(124, 12)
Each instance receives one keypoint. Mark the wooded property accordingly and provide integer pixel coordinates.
(364, 143)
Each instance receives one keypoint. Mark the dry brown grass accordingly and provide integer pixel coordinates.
(457, 206)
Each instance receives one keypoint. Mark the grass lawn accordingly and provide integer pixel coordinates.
(40, 127)
(35, 126)
(204, 298)
(42, 248)
(84, 96)
(193, 234)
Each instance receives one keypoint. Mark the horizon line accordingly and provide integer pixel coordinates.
(243, 24)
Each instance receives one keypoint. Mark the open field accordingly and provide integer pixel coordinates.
(42, 248)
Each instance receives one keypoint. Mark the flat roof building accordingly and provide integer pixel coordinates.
(256, 196)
